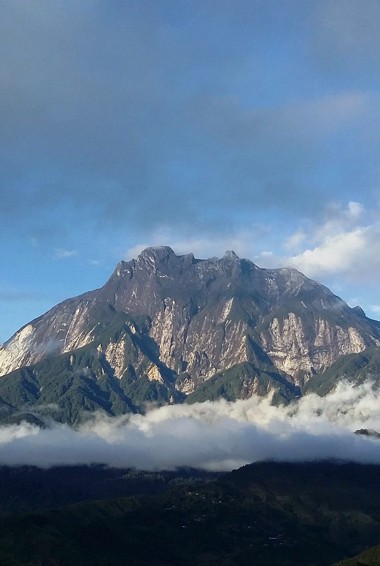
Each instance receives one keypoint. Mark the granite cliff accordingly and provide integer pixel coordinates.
(182, 326)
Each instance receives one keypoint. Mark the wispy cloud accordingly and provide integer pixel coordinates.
(61, 253)
(19, 296)
(241, 241)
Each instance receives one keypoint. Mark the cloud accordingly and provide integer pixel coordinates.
(346, 243)
(198, 120)
(60, 253)
(341, 248)
(295, 240)
(201, 246)
(213, 436)
(340, 253)
(19, 296)
(345, 35)
(142, 117)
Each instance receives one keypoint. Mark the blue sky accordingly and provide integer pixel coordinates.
(204, 125)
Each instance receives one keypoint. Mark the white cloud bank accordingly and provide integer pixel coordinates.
(212, 436)
(357, 250)
(345, 242)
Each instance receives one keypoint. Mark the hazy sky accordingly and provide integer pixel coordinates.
(206, 125)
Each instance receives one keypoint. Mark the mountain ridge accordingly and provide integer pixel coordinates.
(165, 325)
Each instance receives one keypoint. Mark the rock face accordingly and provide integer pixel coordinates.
(194, 318)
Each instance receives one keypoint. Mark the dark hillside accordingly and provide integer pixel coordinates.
(265, 514)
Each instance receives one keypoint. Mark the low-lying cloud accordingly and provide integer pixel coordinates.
(212, 435)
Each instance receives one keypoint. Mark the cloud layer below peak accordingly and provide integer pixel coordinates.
(212, 436)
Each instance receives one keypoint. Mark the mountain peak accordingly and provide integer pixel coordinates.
(171, 325)
(230, 254)
(157, 252)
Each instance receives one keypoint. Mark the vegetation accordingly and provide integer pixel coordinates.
(240, 381)
(357, 368)
(263, 514)
(370, 557)
(67, 387)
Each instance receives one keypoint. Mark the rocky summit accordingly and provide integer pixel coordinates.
(169, 328)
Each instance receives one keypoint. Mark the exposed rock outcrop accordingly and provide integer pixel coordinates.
(194, 318)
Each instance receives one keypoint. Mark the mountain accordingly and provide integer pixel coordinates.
(277, 514)
(168, 328)
(370, 557)
(354, 368)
